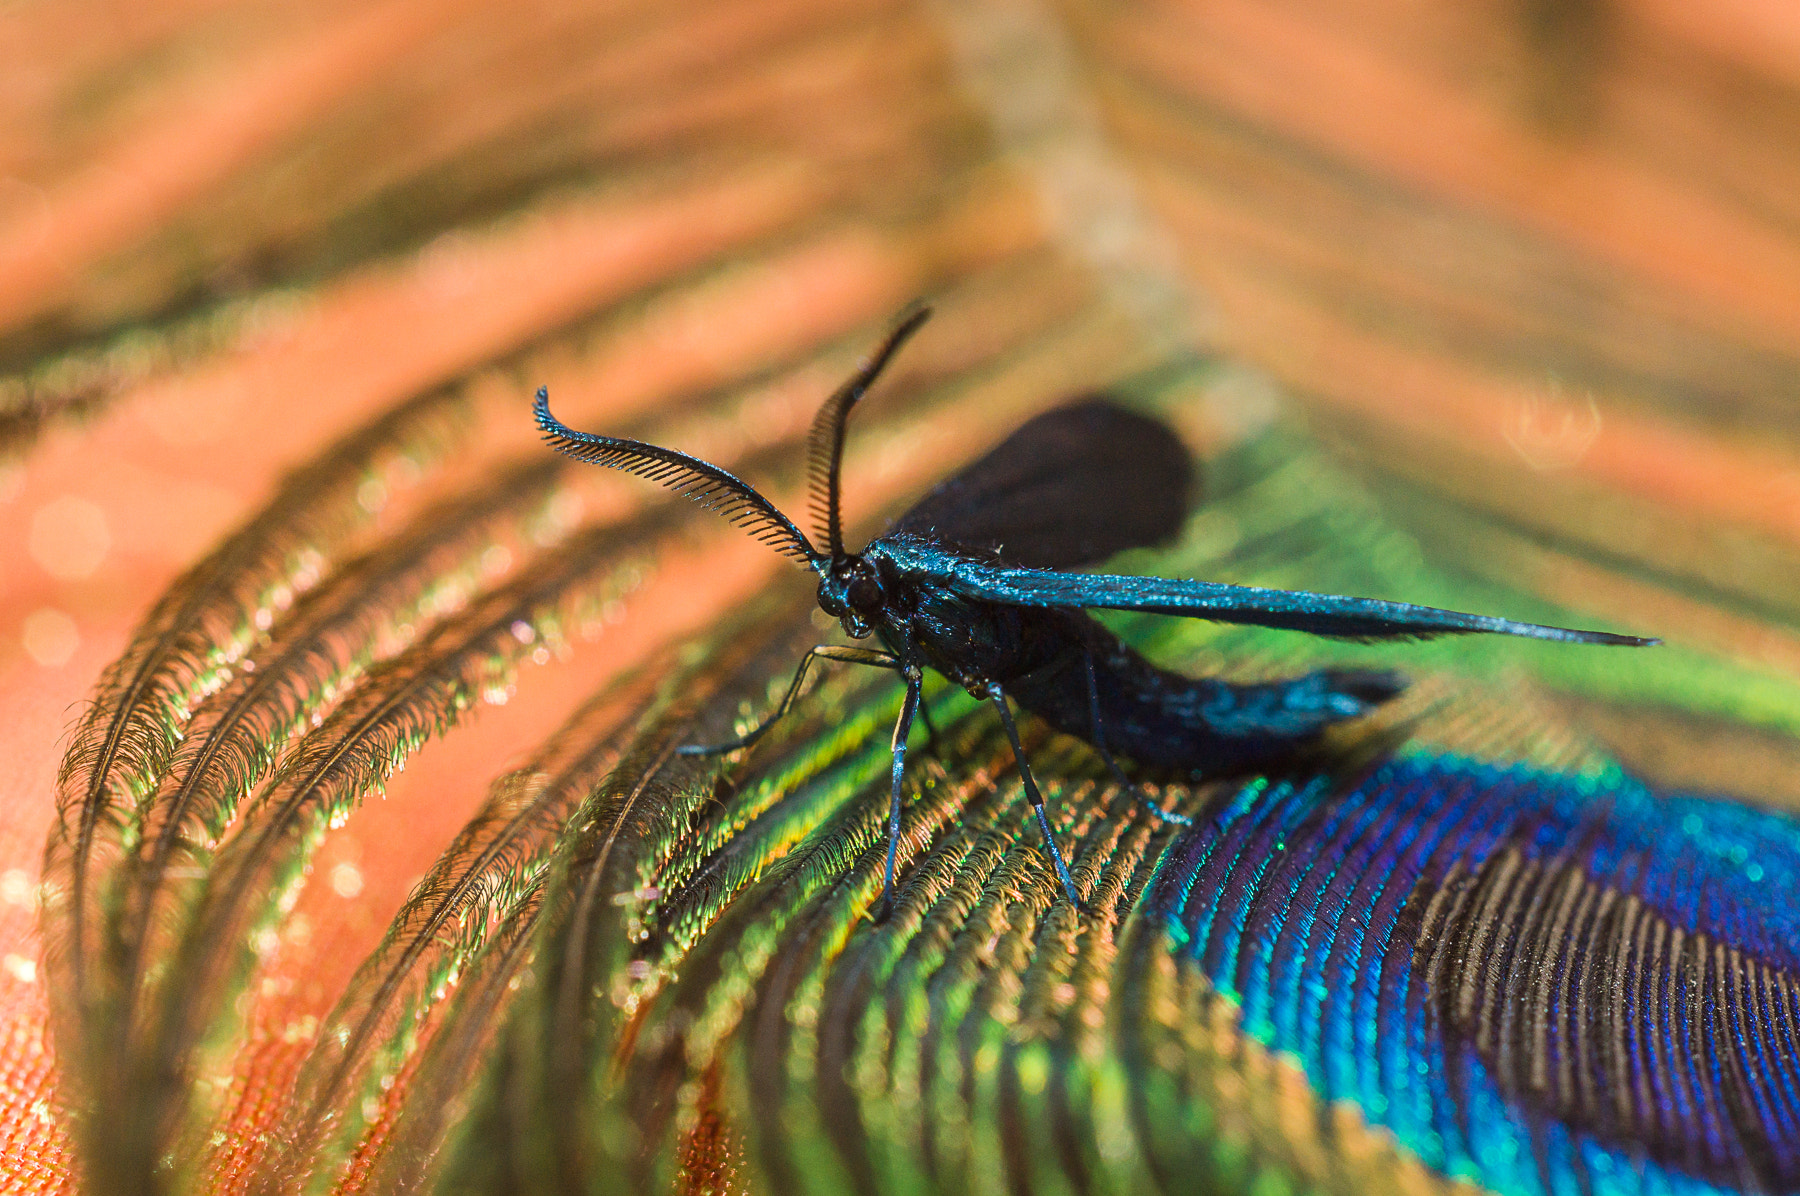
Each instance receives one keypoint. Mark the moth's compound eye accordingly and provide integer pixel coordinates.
(864, 594)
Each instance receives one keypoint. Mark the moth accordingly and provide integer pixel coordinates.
(975, 582)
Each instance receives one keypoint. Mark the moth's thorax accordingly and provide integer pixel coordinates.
(974, 642)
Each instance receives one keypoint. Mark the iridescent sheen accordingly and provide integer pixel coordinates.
(1538, 982)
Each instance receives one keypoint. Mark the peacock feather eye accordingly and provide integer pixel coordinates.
(1536, 984)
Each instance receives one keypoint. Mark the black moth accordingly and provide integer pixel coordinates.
(971, 582)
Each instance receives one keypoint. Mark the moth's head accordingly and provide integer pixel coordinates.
(850, 590)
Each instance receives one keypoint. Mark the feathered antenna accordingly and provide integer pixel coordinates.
(825, 445)
(690, 477)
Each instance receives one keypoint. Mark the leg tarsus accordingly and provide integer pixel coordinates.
(1037, 799)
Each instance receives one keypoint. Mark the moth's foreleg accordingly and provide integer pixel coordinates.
(998, 697)
(839, 652)
(1098, 739)
(902, 728)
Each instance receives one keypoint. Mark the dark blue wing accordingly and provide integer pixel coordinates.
(1294, 610)
(1071, 487)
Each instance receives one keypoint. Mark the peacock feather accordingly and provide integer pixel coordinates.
(372, 864)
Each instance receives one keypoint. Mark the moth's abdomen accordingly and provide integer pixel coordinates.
(1293, 707)
(1197, 724)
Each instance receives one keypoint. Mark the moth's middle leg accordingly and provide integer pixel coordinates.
(902, 728)
(1098, 741)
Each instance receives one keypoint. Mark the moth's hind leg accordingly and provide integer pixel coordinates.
(1098, 740)
(839, 652)
(998, 697)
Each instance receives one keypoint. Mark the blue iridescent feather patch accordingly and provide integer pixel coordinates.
(1538, 982)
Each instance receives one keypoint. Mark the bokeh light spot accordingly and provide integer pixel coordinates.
(70, 537)
(346, 880)
(50, 637)
(17, 887)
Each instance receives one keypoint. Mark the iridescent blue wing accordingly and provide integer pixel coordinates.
(1071, 487)
(1293, 610)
